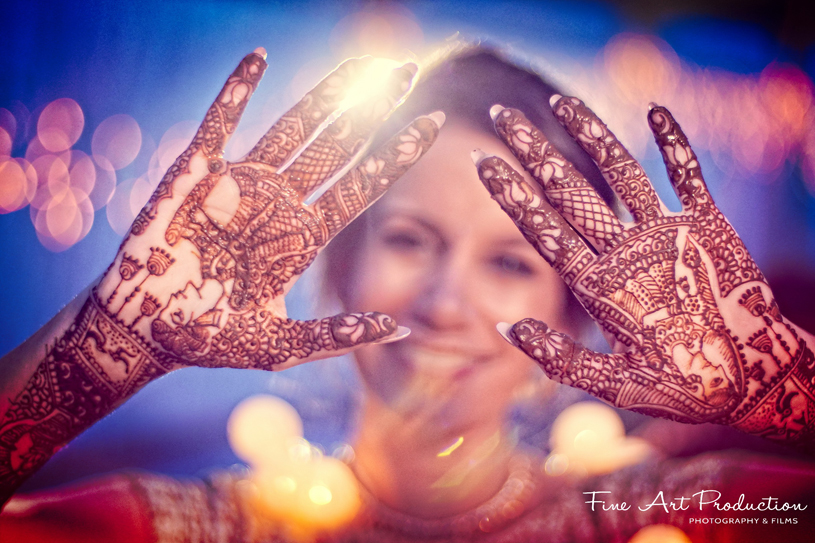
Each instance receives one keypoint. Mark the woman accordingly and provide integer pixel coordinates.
(421, 257)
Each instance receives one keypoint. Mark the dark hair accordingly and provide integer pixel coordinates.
(465, 85)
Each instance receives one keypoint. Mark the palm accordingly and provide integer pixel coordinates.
(695, 332)
(203, 274)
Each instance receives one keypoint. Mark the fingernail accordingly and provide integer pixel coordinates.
(262, 52)
(401, 333)
(553, 99)
(651, 105)
(411, 67)
(477, 155)
(495, 110)
(438, 117)
(503, 329)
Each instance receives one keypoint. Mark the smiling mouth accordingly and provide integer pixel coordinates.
(441, 361)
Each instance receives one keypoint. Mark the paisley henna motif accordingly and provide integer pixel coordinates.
(697, 333)
(201, 277)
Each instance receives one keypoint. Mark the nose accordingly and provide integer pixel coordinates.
(446, 301)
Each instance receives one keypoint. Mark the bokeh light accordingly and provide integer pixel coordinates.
(18, 184)
(260, 426)
(9, 125)
(60, 124)
(381, 29)
(6, 143)
(294, 483)
(118, 210)
(588, 438)
(660, 533)
(63, 220)
(116, 142)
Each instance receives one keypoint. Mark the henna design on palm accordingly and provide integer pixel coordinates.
(201, 277)
(695, 331)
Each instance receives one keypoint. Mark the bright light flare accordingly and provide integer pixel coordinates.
(589, 438)
(261, 426)
(371, 84)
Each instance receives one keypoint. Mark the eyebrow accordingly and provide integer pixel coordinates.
(406, 214)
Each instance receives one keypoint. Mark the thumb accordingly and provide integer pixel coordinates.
(335, 336)
(565, 360)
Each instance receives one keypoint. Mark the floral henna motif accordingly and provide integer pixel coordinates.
(697, 333)
(622, 172)
(734, 265)
(566, 188)
(202, 283)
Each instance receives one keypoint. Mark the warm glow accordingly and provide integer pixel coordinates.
(660, 533)
(18, 184)
(320, 495)
(382, 29)
(451, 448)
(589, 438)
(296, 485)
(371, 84)
(260, 426)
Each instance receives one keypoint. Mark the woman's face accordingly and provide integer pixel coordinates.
(443, 259)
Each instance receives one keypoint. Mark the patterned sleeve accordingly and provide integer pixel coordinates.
(195, 511)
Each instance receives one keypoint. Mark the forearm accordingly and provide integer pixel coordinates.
(70, 374)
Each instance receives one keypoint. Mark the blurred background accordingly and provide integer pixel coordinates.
(98, 98)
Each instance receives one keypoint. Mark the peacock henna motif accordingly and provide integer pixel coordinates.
(200, 279)
(696, 333)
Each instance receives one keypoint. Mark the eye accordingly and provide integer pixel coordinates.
(402, 240)
(512, 265)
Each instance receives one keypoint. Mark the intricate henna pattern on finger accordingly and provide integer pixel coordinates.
(346, 136)
(565, 187)
(622, 172)
(621, 380)
(540, 224)
(734, 265)
(697, 333)
(204, 284)
(219, 123)
(297, 125)
(367, 182)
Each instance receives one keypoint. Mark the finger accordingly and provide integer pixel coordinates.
(680, 160)
(622, 172)
(298, 124)
(567, 361)
(537, 220)
(296, 342)
(565, 187)
(363, 185)
(344, 138)
(219, 124)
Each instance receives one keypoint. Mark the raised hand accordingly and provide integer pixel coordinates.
(200, 279)
(695, 330)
